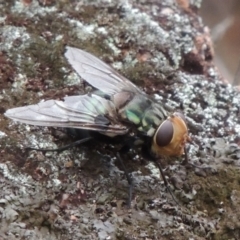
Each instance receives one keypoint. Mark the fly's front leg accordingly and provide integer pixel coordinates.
(146, 153)
(158, 163)
(185, 161)
(131, 142)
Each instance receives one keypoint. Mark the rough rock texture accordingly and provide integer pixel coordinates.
(163, 47)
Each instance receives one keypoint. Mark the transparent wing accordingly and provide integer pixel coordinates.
(97, 73)
(90, 112)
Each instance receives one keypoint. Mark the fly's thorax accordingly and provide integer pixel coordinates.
(170, 137)
(122, 99)
(140, 110)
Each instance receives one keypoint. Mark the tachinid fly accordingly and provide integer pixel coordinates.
(117, 107)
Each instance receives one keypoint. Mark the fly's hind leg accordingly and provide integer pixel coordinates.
(61, 148)
(129, 179)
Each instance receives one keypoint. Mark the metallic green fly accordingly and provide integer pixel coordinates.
(117, 107)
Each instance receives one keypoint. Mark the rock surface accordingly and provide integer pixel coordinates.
(163, 47)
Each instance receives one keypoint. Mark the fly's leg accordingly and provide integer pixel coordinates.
(158, 163)
(129, 179)
(185, 161)
(62, 148)
(131, 142)
(146, 153)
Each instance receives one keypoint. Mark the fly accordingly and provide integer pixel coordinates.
(117, 107)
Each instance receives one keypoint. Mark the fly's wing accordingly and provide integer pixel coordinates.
(90, 112)
(98, 74)
(85, 112)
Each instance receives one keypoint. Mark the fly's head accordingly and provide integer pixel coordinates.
(171, 136)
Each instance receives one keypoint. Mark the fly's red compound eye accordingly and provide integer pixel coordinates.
(164, 133)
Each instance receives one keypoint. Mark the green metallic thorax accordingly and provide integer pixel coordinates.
(141, 111)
